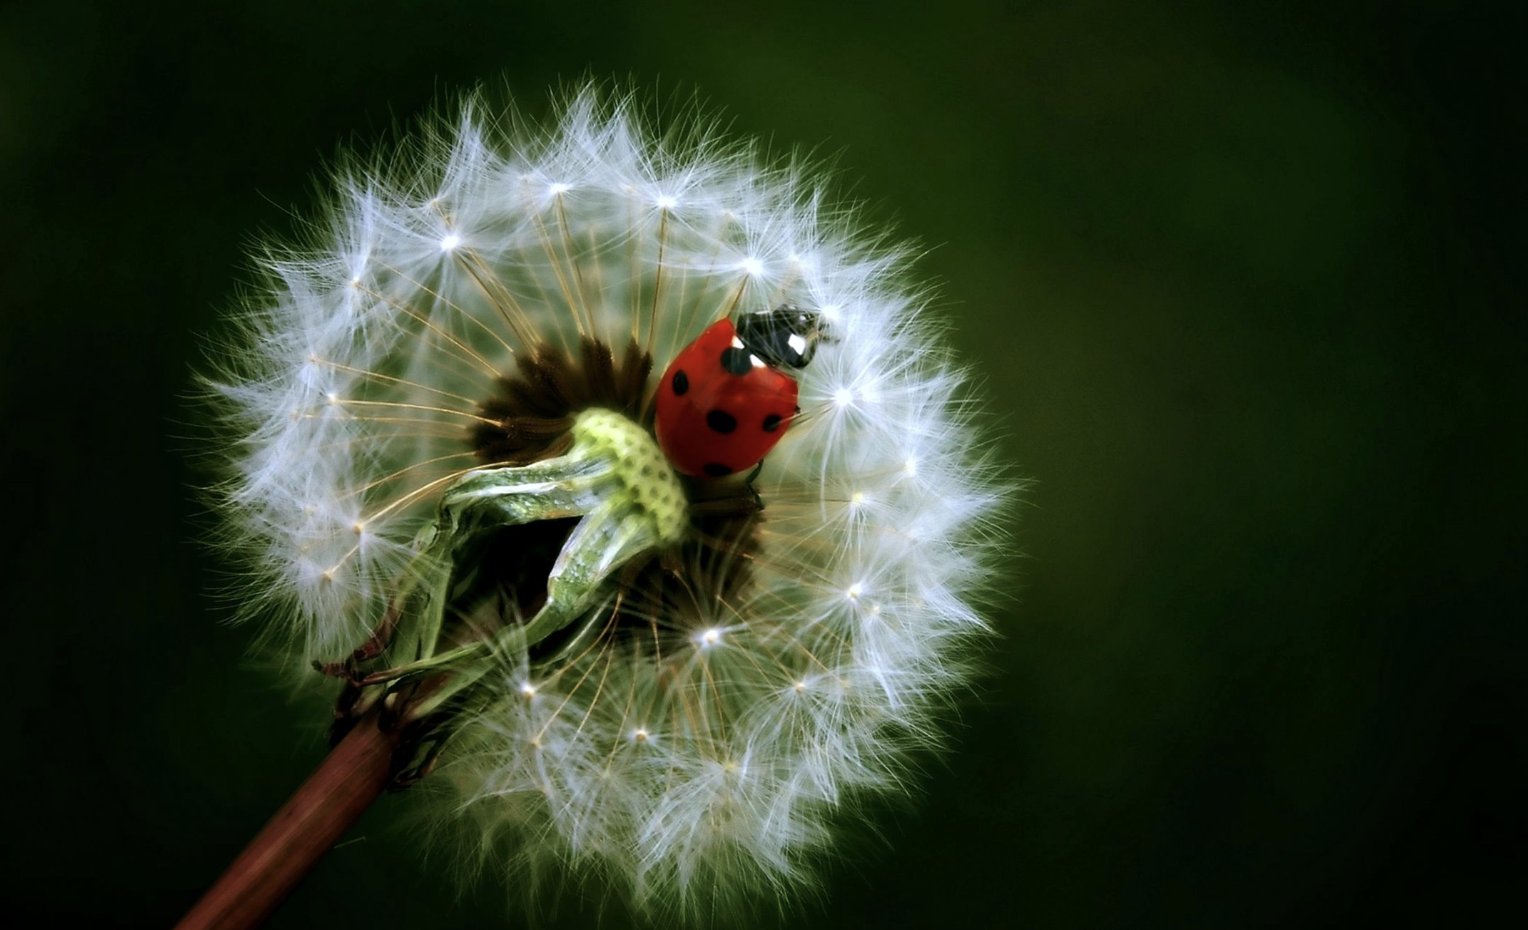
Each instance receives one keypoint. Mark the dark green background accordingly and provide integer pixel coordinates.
(1234, 276)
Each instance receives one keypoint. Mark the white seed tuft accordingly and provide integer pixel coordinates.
(703, 761)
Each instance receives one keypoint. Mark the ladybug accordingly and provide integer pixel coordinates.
(727, 398)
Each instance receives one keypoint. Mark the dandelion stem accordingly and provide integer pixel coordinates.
(313, 819)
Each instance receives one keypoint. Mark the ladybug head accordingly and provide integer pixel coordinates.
(785, 337)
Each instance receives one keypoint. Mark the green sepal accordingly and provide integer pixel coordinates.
(613, 477)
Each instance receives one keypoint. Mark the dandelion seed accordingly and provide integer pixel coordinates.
(443, 466)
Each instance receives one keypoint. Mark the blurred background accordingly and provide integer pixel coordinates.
(1234, 276)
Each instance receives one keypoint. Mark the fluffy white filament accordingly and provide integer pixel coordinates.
(710, 771)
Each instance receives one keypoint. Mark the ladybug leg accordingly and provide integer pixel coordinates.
(748, 483)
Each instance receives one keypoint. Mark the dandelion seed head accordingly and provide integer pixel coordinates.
(697, 738)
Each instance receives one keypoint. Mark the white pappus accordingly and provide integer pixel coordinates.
(690, 743)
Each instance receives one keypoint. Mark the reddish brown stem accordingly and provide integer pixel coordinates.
(313, 819)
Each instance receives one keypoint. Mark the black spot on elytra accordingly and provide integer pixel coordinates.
(771, 423)
(681, 383)
(721, 421)
(717, 470)
(736, 361)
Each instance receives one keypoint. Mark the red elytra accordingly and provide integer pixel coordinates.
(720, 409)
